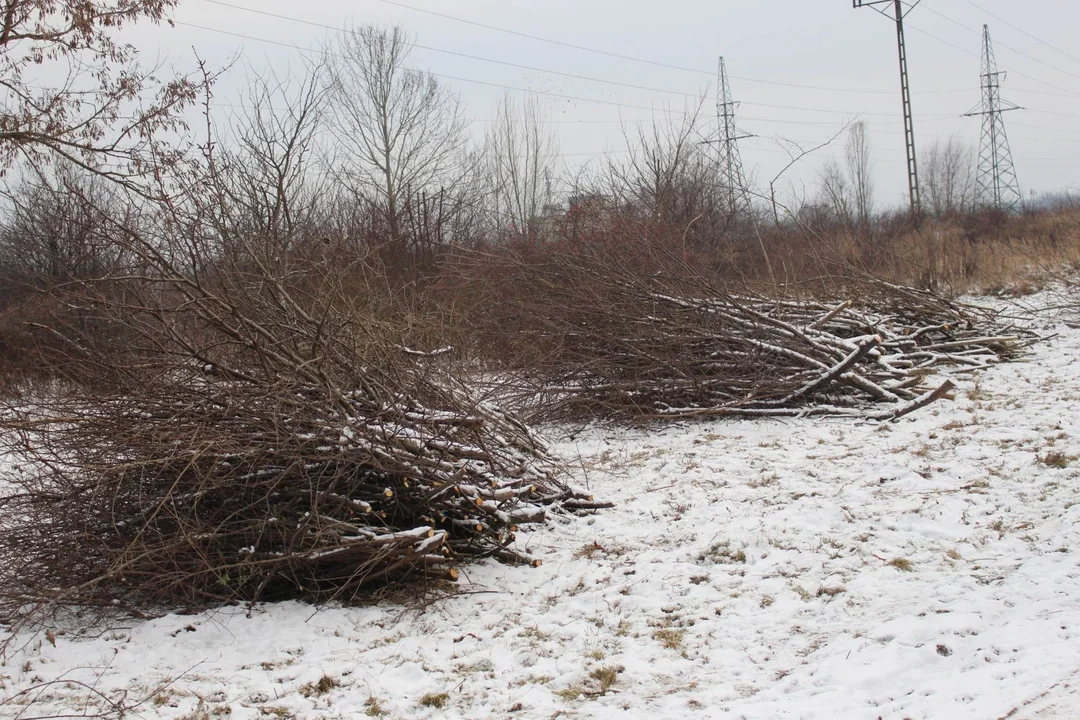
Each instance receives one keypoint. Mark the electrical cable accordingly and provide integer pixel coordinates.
(621, 105)
(980, 8)
(561, 43)
(998, 43)
(547, 93)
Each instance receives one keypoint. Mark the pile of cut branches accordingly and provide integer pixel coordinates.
(269, 432)
(638, 331)
(203, 493)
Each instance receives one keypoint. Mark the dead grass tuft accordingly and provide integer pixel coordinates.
(435, 700)
(1055, 459)
(606, 676)
(372, 707)
(670, 638)
(322, 687)
(902, 564)
(723, 552)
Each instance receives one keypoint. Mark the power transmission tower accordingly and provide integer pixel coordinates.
(732, 178)
(899, 12)
(996, 185)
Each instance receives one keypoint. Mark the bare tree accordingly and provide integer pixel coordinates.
(400, 132)
(669, 176)
(948, 176)
(95, 117)
(860, 173)
(836, 192)
(273, 174)
(660, 156)
(848, 189)
(521, 153)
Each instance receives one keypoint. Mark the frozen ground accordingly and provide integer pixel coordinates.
(802, 569)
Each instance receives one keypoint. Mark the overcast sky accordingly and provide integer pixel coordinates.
(799, 68)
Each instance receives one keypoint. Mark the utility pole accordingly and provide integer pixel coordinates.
(899, 12)
(996, 185)
(732, 178)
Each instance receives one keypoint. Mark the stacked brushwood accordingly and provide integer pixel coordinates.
(638, 331)
(277, 437)
(226, 492)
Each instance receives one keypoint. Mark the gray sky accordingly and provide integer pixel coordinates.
(800, 68)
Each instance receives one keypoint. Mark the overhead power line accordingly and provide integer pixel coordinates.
(1044, 127)
(1002, 20)
(455, 53)
(546, 93)
(583, 48)
(1071, 96)
(625, 106)
(1001, 44)
(517, 34)
(444, 76)
(1064, 92)
(578, 98)
(966, 51)
(628, 106)
(532, 68)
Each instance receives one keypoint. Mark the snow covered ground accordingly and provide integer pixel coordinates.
(812, 568)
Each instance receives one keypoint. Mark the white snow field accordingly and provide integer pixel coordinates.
(809, 568)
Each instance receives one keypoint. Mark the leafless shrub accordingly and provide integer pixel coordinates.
(273, 170)
(51, 239)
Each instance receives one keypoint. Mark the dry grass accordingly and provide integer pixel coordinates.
(606, 677)
(435, 700)
(670, 638)
(1055, 459)
(322, 687)
(723, 553)
(902, 564)
(983, 253)
(600, 681)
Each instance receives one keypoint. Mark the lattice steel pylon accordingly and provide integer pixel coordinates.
(899, 12)
(732, 178)
(996, 185)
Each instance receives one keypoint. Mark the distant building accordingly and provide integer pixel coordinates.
(588, 213)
